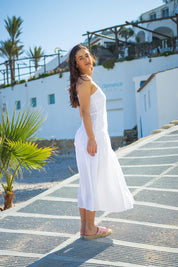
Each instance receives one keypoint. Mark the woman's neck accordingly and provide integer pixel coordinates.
(88, 73)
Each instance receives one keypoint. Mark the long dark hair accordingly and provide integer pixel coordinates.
(74, 74)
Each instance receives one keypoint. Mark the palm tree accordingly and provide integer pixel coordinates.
(126, 33)
(18, 149)
(13, 27)
(7, 50)
(36, 54)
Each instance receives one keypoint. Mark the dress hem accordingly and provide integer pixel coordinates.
(107, 210)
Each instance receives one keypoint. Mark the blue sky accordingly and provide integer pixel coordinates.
(61, 23)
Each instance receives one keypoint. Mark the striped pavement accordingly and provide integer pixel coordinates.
(44, 231)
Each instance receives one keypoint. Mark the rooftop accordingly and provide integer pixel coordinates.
(151, 77)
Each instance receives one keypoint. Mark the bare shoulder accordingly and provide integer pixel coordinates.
(84, 84)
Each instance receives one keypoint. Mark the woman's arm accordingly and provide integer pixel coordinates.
(84, 92)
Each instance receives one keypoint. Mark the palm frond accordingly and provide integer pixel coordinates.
(16, 147)
(25, 127)
(29, 154)
(21, 129)
(13, 27)
(36, 54)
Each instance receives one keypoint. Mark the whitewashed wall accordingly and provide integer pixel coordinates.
(61, 120)
(157, 102)
(137, 80)
(148, 117)
(118, 85)
(167, 87)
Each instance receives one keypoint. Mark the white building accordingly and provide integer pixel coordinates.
(49, 94)
(157, 100)
(166, 10)
(167, 26)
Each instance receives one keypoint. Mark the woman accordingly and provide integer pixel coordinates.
(102, 184)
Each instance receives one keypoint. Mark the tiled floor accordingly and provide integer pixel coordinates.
(44, 231)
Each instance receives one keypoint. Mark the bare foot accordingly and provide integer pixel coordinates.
(91, 231)
(82, 232)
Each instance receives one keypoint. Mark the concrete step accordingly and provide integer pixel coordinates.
(167, 126)
(175, 122)
(157, 131)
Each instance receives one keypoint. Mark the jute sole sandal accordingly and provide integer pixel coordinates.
(101, 232)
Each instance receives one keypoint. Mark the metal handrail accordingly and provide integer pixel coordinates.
(5, 66)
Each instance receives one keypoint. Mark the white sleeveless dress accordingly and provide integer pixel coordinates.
(102, 185)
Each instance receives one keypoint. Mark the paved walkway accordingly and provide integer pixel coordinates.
(44, 231)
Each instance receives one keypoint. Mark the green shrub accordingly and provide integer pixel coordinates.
(5, 85)
(129, 58)
(22, 81)
(120, 59)
(43, 75)
(166, 53)
(109, 64)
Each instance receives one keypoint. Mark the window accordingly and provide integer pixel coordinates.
(142, 82)
(18, 104)
(4, 107)
(153, 16)
(165, 13)
(33, 102)
(51, 99)
(145, 102)
(149, 99)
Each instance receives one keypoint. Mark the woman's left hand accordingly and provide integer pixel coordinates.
(92, 147)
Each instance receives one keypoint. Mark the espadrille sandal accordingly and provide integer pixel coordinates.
(101, 232)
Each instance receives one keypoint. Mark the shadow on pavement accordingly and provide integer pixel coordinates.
(75, 254)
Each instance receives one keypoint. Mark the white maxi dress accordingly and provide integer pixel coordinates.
(102, 184)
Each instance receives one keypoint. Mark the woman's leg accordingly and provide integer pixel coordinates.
(90, 228)
(83, 220)
(87, 222)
